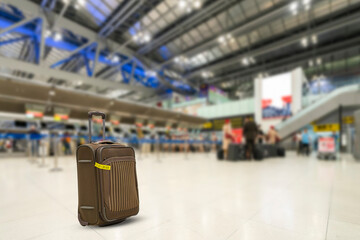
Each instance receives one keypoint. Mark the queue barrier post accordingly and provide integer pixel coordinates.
(158, 148)
(56, 167)
(42, 152)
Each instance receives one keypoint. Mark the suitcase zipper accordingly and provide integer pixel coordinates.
(114, 159)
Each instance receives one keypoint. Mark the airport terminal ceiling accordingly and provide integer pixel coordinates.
(143, 50)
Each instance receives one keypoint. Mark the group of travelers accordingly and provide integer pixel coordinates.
(252, 133)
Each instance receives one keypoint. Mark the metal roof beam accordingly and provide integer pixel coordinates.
(190, 22)
(327, 27)
(255, 23)
(292, 61)
(68, 76)
(119, 16)
(18, 24)
(70, 25)
(70, 54)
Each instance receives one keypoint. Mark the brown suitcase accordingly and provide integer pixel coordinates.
(107, 182)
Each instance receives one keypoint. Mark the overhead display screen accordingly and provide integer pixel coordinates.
(276, 98)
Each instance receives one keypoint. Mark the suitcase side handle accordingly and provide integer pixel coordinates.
(96, 113)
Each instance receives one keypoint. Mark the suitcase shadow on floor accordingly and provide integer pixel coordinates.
(122, 224)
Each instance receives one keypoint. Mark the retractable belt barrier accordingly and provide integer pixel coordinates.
(32, 136)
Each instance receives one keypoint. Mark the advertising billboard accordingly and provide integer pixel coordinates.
(276, 96)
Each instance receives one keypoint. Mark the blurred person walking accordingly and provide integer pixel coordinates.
(214, 140)
(228, 137)
(67, 143)
(305, 142)
(298, 142)
(200, 143)
(34, 135)
(250, 132)
(272, 136)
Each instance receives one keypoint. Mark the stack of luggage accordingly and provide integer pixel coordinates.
(237, 152)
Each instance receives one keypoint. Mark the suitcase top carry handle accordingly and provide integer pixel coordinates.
(92, 113)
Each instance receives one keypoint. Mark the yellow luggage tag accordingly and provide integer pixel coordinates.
(101, 166)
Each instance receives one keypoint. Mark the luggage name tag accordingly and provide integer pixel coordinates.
(102, 166)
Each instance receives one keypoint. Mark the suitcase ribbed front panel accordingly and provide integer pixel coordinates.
(123, 193)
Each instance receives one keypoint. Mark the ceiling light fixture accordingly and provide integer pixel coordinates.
(318, 61)
(314, 39)
(151, 73)
(304, 42)
(221, 39)
(115, 59)
(294, 6)
(306, 4)
(147, 37)
(197, 4)
(182, 4)
(58, 37)
(206, 74)
(82, 2)
(245, 61)
(142, 37)
(181, 60)
(224, 39)
(48, 33)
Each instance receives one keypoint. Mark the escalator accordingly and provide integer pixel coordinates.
(344, 96)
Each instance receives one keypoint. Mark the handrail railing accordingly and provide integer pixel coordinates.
(317, 103)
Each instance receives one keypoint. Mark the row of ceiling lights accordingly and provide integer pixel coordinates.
(225, 39)
(142, 37)
(77, 3)
(57, 36)
(151, 73)
(189, 5)
(294, 7)
(145, 37)
(305, 40)
(246, 61)
(207, 74)
(318, 61)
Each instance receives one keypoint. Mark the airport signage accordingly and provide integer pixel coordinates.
(61, 114)
(34, 111)
(348, 119)
(217, 124)
(115, 120)
(332, 127)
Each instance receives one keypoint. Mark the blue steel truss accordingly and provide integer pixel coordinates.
(70, 42)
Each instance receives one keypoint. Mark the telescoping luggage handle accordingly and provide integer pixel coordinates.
(92, 113)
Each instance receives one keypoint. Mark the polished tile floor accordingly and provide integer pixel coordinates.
(192, 197)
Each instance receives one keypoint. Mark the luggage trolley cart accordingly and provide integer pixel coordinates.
(326, 148)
